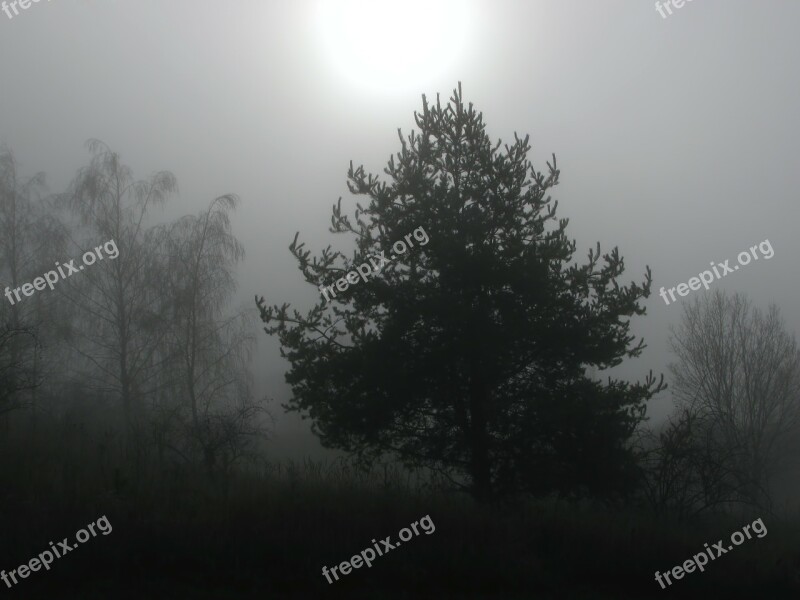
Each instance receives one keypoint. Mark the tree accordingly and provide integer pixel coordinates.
(469, 356)
(685, 472)
(211, 349)
(739, 369)
(121, 300)
(18, 220)
(18, 347)
(29, 237)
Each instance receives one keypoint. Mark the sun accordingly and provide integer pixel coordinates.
(391, 45)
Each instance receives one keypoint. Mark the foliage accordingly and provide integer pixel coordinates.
(468, 354)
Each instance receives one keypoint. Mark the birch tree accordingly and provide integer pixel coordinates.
(211, 347)
(120, 300)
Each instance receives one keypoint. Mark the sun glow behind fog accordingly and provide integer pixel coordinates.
(387, 45)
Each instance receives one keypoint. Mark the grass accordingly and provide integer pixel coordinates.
(178, 535)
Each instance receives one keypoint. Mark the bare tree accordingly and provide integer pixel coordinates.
(17, 221)
(685, 470)
(17, 367)
(121, 300)
(212, 349)
(29, 237)
(738, 370)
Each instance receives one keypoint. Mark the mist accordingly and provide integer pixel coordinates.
(210, 169)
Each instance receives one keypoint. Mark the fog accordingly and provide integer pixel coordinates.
(677, 138)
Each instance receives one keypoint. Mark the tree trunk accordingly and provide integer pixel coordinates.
(479, 439)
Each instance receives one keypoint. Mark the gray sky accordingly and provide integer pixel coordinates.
(677, 138)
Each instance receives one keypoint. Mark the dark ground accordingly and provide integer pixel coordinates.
(268, 534)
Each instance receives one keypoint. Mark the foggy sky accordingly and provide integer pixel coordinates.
(677, 138)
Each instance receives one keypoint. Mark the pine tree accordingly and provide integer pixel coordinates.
(468, 353)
